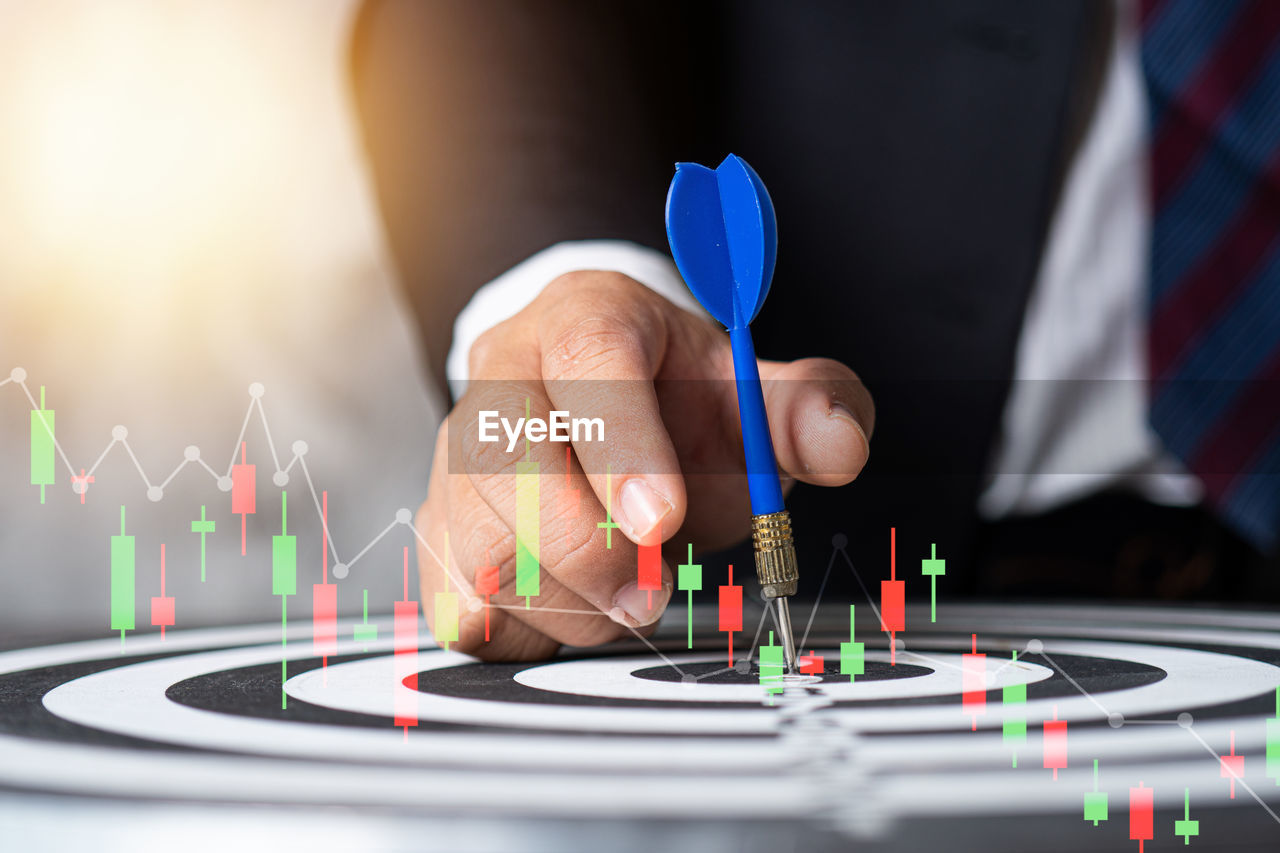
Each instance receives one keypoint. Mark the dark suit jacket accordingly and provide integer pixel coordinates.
(914, 151)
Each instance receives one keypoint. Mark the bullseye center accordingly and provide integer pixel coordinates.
(716, 672)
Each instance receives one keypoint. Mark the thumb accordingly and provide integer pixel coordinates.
(821, 418)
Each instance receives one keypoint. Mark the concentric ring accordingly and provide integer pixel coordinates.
(578, 734)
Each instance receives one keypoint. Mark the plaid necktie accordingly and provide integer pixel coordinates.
(1213, 83)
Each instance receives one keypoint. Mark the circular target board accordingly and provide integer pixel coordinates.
(991, 713)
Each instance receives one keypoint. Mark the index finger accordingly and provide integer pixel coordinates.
(600, 350)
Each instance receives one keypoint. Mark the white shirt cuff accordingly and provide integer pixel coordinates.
(509, 293)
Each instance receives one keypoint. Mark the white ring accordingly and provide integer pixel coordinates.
(614, 678)
(1211, 678)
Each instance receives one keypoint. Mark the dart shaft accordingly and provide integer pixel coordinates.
(757, 443)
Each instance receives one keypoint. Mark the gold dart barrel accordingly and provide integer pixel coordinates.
(776, 566)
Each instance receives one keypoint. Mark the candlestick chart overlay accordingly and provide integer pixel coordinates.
(1127, 728)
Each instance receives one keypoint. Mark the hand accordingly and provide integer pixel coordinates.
(599, 344)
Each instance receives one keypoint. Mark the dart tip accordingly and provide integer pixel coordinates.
(778, 572)
(788, 635)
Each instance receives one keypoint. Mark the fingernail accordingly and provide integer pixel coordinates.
(839, 410)
(636, 608)
(642, 509)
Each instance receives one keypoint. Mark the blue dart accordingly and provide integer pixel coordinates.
(724, 239)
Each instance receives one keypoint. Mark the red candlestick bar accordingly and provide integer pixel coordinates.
(811, 664)
(406, 657)
(974, 683)
(324, 621)
(569, 500)
(1232, 765)
(1141, 815)
(893, 600)
(243, 492)
(162, 607)
(1055, 743)
(649, 564)
(487, 585)
(324, 600)
(730, 610)
(81, 484)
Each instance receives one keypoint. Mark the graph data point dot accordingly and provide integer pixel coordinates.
(1115, 719)
(256, 390)
(839, 540)
(280, 478)
(1184, 720)
(688, 678)
(743, 666)
(155, 493)
(299, 448)
(18, 374)
(1034, 647)
(475, 605)
(404, 516)
(340, 570)
(900, 644)
(79, 487)
(119, 433)
(225, 484)
(192, 453)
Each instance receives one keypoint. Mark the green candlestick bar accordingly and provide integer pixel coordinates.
(446, 624)
(1095, 801)
(852, 654)
(1014, 706)
(203, 526)
(528, 522)
(284, 555)
(932, 567)
(284, 583)
(1186, 827)
(527, 530)
(772, 666)
(608, 525)
(689, 579)
(42, 447)
(122, 579)
(1273, 743)
(365, 632)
